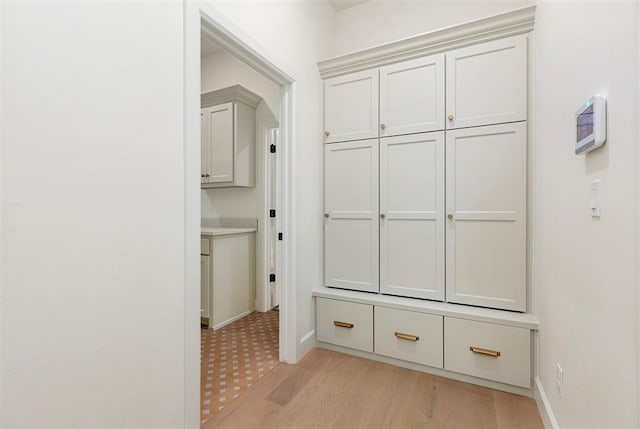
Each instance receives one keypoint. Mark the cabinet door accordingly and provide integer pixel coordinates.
(412, 96)
(487, 83)
(486, 202)
(219, 146)
(412, 202)
(351, 204)
(205, 287)
(351, 107)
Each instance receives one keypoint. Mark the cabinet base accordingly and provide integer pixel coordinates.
(430, 370)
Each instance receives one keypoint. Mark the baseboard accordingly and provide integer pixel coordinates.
(233, 319)
(544, 407)
(307, 342)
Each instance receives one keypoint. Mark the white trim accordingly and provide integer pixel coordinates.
(499, 317)
(237, 43)
(430, 370)
(233, 319)
(307, 342)
(481, 30)
(544, 407)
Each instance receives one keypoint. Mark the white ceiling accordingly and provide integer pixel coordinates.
(208, 47)
(339, 5)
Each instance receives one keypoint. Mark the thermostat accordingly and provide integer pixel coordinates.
(591, 124)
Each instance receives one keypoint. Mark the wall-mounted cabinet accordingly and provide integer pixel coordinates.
(228, 134)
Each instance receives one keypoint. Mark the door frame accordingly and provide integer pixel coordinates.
(199, 15)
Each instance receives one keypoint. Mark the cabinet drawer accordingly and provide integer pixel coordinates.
(408, 335)
(346, 324)
(204, 246)
(494, 352)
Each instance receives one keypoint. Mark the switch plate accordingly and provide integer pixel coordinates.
(594, 198)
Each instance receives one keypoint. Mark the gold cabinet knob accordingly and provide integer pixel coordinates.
(382, 126)
(326, 215)
(450, 216)
(382, 216)
(202, 175)
(326, 133)
(206, 175)
(450, 117)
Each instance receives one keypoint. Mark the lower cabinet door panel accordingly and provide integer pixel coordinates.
(486, 350)
(346, 324)
(408, 335)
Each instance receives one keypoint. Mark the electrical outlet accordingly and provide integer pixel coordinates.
(560, 379)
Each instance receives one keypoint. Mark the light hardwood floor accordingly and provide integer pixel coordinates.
(333, 390)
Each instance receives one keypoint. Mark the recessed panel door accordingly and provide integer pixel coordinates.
(486, 216)
(351, 107)
(487, 83)
(220, 143)
(351, 215)
(412, 96)
(412, 215)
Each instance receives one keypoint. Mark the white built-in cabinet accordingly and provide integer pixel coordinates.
(205, 281)
(228, 135)
(425, 223)
(428, 200)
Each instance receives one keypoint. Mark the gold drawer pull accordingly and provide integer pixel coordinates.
(343, 324)
(406, 336)
(485, 352)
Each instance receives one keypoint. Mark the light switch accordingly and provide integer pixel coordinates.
(594, 204)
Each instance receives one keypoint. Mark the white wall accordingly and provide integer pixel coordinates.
(299, 34)
(382, 21)
(585, 271)
(221, 70)
(91, 214)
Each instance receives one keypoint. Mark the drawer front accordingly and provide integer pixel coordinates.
(204, 246)
(346, 324)
(410, 336)
(494, 352)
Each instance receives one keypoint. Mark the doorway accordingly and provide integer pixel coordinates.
(203, 17)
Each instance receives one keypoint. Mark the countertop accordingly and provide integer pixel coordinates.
(218, 230)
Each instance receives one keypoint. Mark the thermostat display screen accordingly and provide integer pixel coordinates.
(585, 123)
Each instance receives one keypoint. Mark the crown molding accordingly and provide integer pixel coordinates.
(226, 95)
(506, 24)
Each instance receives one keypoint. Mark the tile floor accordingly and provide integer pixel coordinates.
(234, 357)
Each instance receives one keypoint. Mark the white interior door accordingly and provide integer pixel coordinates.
(412, 202)
(486, 210)
(273, 225)
(351, 106)
(351, 215)
(412, 96)
(487, 83)
(220, 143)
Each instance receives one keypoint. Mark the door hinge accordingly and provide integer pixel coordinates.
(272, 278)
(272, 148)
(272, 213)
(280, 236)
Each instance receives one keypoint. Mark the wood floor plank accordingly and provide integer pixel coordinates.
(332, 390)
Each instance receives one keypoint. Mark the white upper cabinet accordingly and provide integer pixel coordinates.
(351, 215)
(412, 215)
(351, 107)
(217, 143)
(486, 192)
(228, 137)
(412, 96)
(487, 83)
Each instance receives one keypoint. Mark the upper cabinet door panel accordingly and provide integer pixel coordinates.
(487, 83)
(220, 145)
(351, 107)
(412, 96)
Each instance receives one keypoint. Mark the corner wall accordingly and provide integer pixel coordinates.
(585, 269)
